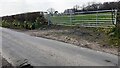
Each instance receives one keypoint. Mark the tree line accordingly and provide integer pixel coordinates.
(104, 6)
(92, 6)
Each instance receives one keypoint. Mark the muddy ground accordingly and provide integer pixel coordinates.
(4, 63)
(79, 36)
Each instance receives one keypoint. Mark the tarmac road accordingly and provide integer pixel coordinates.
(21, 49)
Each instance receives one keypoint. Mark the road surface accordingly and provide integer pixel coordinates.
(21, 49)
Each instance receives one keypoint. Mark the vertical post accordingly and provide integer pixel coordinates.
(70, 16)
(115, 17)
(48, 19)
(97, 16)
(112, 17)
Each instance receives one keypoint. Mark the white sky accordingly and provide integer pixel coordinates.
(10, 7)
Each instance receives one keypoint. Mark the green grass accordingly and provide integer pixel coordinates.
(82, 18)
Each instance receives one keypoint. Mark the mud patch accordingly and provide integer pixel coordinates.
(6, 64)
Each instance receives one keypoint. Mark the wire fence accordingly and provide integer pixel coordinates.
(86, 19)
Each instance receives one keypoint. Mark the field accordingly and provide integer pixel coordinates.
(82, 19)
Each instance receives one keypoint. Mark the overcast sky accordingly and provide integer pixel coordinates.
(10, 7)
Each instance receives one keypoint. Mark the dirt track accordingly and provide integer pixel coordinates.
(21, 49)
(81, 37)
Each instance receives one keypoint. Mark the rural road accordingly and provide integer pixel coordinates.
(20, 49)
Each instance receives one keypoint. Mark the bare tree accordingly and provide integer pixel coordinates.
(51, 11)
(76, 7)
(83, 7)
